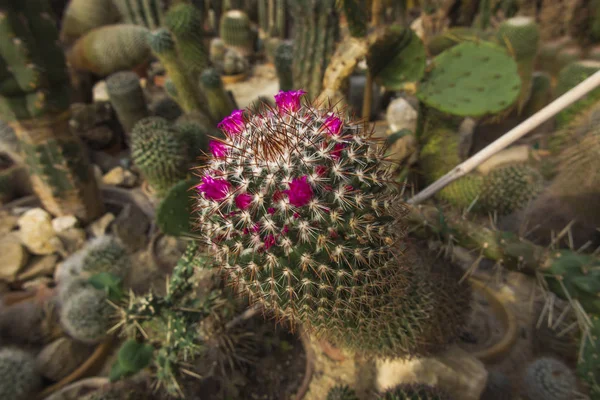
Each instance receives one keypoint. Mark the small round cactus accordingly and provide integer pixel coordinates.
(341, 392)
(86, 315)
(414, 392)
(549, 379)
(510, 188)
(19, 379)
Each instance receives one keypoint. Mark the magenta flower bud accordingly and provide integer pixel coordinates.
(289, 101)
(271, 210)
(234, 124)
(336, 153)
(218, 149)
(269, 241)
(243, 201)
(321, 170)
(300, 192)
(333, 125)
(214, 189)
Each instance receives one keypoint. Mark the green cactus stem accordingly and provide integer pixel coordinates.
(588, 368)
(219, 101)
(357, 17)
(541, 93)
(284, 57)
(147, 13)
(217, 52)
(453, 36)
(127, 98)
(163, 46)
(235, 32)
(174, 212)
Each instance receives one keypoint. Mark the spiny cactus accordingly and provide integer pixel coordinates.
(454, 87)
(163, 46)
(101, 254)
(521, 35)
(316, 33)
(159, 152)
(277, 203)
(185, 23)
(196, 135)
(341, 392)
(235, 31)
(20, 379)
(569, 77)
(127, 98)
(110, 48)
(167, 108)
(220, 104)
(284, 57)
(81, 16)
(86, 315)
(414, 392)
(549, 379)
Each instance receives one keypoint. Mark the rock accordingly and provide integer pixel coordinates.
(100, 93)
(401, 115)
(61, 357)
(13, 257)
(97, 173)
(119, 176)
(131, 227)
(61, 224)
(22, 323)
(454, 371)
(7, 222)
(72, 239)
(38, 266)
(37, 233)
(99, 227)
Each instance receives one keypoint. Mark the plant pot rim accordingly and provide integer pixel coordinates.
(500, 349)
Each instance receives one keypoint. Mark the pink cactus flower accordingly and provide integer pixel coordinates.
(300, 192)
(233, 124)
(285, 230)
(289, 101)
(278, 195)
(333, 125)
(256, 228)
(218, 149)
(214, 189)
(336, 153)
(269, 241)
(321, 170)
(271, 210)
(243, 200)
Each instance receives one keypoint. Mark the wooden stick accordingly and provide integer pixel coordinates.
(510, 137)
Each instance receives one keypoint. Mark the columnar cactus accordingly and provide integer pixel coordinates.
(296, 208)
(549, 379)
(148, 13)
(235, 31)
(220, 103)
(86, 315)
(127, 98)
(20, 379)
(34, 100)
(284, 57)
(159, 152)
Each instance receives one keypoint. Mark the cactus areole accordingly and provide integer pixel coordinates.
(296, 207)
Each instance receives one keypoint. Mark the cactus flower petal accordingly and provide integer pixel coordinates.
(233, 124)
(218, 149)
(289, 101)
(214, 189)
(269, 241)
(243, 201)
(300, 192)
(333, 125)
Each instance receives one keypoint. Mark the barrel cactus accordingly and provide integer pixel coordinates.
(86, 315)
(296, 208)
(19, 378)
(235, 31)
(549, 379)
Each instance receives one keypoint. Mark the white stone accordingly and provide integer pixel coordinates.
(61, 224)
(100, 93)
(13, 257)
(119, 176)
(401, 115)
(37, 233)
(99, 227)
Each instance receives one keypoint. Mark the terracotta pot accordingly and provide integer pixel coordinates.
(227, 79)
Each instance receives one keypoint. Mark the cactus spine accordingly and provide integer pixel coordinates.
(284, 57)
(34, 100)
(220, 104)
(127, 98)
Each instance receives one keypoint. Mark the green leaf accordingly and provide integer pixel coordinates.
(134, 356)
(109, 283)
(397, 58)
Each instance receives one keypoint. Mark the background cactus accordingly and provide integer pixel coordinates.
(159, 152)
(356, 13)
(34, 100)
(110, 49)
(174, 212)
(86, 315)
(341, 392)
(549, 379)
(284, 57)
(217, 52)
(569, 77)
(127, 98)
(235, 31)
(234, 63)
(81, 16)
(20, 379)
(541, 93)
(196, 136)
(414, 392)
(220, 103)
(286, 212)
(147, 13)
(454, 87)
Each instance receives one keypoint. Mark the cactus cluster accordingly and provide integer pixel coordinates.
(159, 152)
(296, 208)
(549, 379)
(127, 98)
(19, 378)
(569, 77)
(235, 32)
(86, 315)
(414, 392)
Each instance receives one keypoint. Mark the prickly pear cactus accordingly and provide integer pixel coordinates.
(110, 49)
(235, 31)
(284, 57)
(407, 65)
(174, 212)
(453, 36)
(159, 152)
(277, 203)
(86, 316)
(341, 392)
(220, 103)
(20, 379)
(414, 392)
(549, 379)
(127, 98)
(455, 87)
